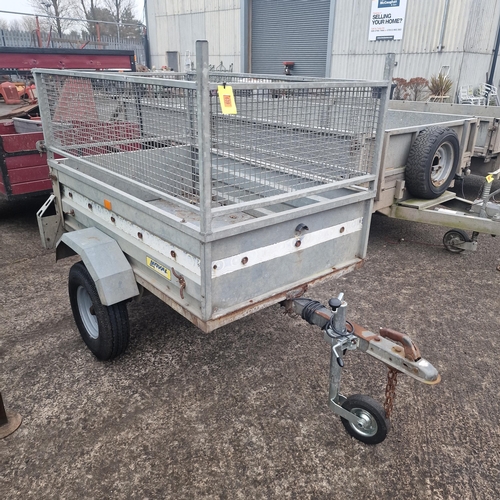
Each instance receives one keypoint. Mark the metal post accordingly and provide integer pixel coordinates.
(336, 354)
(38, 34)
(147, 50)
(495, 57)
(205, 170)
(340, 316)
(335, 375)
(50, 35)
(204, 136)
(245, 36)
(329, 46)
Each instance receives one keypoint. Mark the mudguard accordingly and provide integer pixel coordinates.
(105, 261)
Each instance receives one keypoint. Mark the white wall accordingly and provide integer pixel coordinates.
(175, 25)
(469, 37)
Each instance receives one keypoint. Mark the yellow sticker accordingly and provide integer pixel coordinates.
(226, 99)
(159, 268)
(490, 179)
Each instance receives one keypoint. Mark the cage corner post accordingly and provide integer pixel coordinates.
(205, 170)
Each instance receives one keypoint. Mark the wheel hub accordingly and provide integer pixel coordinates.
(87, 312)
(442, 164)
(368, 426)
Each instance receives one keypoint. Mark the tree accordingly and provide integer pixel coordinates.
(122, 12)
(100, 14)
(90, 10)
(110, 11)
(401, 89)
(418, 88)
(28, 23)
(15, 25)
(55, 9)
(130, 31)
(118, 7)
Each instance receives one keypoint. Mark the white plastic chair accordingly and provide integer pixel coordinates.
(489, 92)
(466, 96)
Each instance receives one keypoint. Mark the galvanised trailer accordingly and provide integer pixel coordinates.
(427, 146)
(220, 200)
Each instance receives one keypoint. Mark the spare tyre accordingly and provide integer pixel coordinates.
(432, 162)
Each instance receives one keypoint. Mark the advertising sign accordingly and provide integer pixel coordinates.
(387, 19)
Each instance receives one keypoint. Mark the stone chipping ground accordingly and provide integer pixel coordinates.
(241, 413)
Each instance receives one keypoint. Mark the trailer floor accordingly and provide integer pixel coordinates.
(241, 413)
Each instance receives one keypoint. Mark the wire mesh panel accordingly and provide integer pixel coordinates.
(288, 135)
(284, 140)
(142, 130)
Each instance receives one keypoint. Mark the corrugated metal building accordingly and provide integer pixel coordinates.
(175, 25)
(328, 37)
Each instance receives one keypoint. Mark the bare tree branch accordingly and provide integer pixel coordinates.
(56, 9)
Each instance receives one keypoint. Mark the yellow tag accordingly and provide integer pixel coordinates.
(159, 268)
(226, 99)
(490, 179)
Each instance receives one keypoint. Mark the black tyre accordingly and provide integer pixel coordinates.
(432, 162)
(375, 424)
(105, 329)
(453, 238)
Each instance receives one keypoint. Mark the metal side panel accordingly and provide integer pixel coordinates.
(260, 264)
(105, 262)
(158, 263)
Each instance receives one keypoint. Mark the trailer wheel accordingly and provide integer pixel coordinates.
(455, 237)
(432, 162)
(105, 329)
(375, 425)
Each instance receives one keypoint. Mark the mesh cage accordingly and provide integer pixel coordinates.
(145, 132)
(286, 137)
(285, 140)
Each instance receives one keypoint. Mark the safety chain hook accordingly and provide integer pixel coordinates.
(390, 391)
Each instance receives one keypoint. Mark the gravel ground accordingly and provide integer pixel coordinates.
(241, 412)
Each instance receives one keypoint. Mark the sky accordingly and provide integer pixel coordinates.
(24, 7)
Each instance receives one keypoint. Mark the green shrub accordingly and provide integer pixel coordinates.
(440, 85)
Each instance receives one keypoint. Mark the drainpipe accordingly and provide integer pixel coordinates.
(443, 26)
(495, 55)
(147, 46)
(329, 45)
(245, 42)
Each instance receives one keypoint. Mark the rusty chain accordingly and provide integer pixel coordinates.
(390, 391)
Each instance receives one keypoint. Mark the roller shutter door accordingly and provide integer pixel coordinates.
(289, 30)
